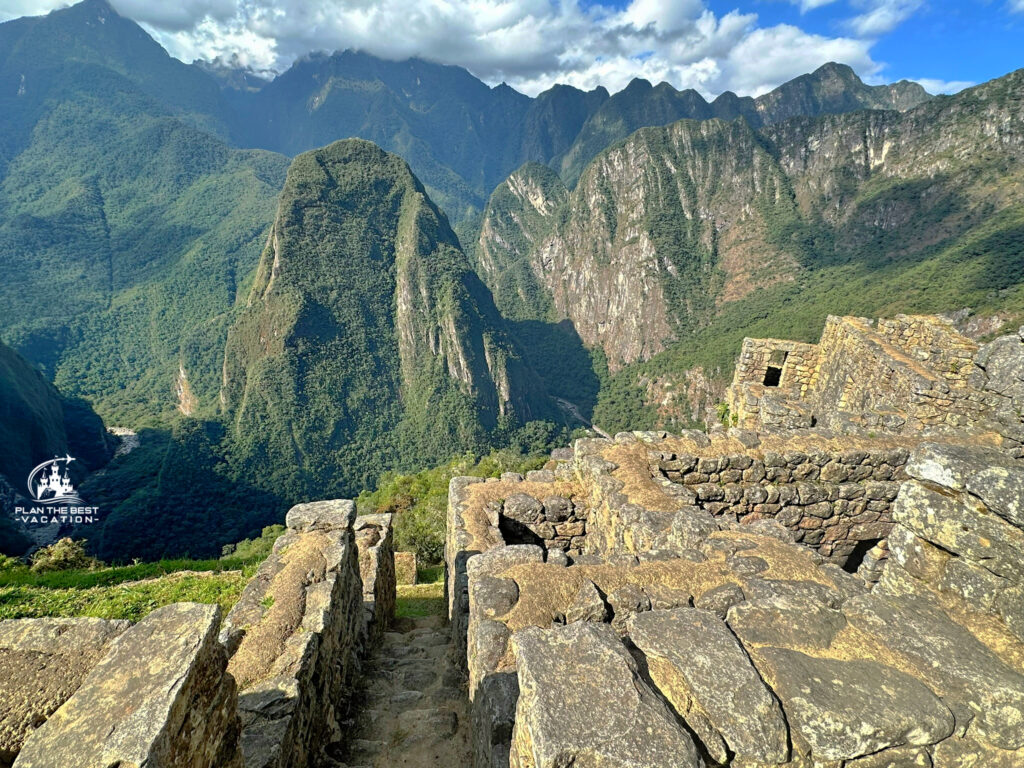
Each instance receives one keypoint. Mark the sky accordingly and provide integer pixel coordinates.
(746, 46)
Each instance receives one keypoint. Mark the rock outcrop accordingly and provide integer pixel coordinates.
(667, 229)
(42, 663)
(794, 596)
(158, 697)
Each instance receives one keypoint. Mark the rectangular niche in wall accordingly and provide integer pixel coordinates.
(773, 374)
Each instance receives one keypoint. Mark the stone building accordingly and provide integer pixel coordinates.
(906, 374)
(839, 588)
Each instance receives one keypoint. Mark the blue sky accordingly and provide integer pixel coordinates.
(747, 46)
(952, 41)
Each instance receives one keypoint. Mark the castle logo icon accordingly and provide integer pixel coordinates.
(50, 483)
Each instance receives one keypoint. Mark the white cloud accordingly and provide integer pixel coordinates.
(934, 86)
(883, 16)
(531, 44)
(810, 5)
(1016, 6)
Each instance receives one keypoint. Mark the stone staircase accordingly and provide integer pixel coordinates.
(411, 710)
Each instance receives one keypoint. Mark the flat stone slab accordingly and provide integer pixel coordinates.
(847, 709)
(329, 515)
(582, 703)
(986, 473)
(948, 657)
(159, 697)
(701, 668)
(797, 623)
(42, 663)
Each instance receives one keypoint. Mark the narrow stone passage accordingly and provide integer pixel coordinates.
(412, 709)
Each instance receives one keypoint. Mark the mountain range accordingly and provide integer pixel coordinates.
(288, 312)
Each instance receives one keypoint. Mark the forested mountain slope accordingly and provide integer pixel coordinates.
(367, 342)
(693, 235)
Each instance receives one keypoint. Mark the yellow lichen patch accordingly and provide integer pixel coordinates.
(853, 644)
(634, 472)
(286, 597)
(546, 591)
(786, 562)
(987, 628)
(478, 495)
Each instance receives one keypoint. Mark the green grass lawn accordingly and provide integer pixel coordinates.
(123, 600)
(425, 598)
(131, 591)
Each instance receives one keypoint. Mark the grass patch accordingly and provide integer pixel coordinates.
(430, 574)
(131, 591)
(122, 601)
(416, 601)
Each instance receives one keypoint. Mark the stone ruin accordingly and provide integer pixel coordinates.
(835, 582)
(910, 375)
(270, 686)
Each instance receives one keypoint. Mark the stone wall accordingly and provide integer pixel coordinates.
(158, 697)
(42, 663)
(477, 523)
(904, 374)
(688, 639)
(375, 542)
(552, 522)
(934, 341)
(831, 501)
(899, 388)
(295, 638)
(797, 361)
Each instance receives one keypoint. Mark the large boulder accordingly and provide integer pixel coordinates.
(706, 675)
(986, 473)
(159, 697)
(846, 709)
(949, 658)
(582, 703)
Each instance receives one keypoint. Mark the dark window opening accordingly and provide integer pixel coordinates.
(772, 376)
(856, 558)
(515, 532)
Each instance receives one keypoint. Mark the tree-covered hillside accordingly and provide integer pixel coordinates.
(126, 231)
(367, 343)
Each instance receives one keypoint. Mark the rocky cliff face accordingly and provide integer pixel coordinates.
(367, 337)
(666, 222)
(669, 228)
(831, 89)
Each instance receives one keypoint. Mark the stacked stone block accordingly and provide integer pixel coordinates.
(760, 651)
(295, 637)
(831, 501)
(903, 374)
(375, 542)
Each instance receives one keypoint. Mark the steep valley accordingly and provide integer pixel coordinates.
(276, 335)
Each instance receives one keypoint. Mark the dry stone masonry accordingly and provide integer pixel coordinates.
(838, 587)
(272, 689)
(905, 375)
(834, 581)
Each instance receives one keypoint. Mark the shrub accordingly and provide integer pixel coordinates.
(64, 555)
